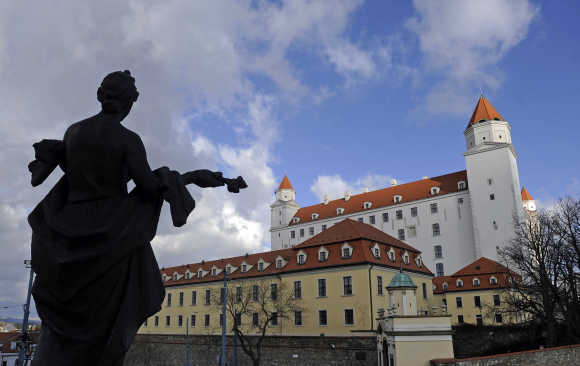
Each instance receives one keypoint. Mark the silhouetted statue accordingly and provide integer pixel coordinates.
(97, 277)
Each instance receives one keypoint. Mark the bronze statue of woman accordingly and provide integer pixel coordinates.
(97, 279)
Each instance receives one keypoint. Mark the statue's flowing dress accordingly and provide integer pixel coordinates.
(97, 278)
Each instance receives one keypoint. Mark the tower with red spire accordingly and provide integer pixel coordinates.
(281, 212)
(494, 184)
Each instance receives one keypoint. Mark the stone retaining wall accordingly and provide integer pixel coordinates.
(157, 350)
(556, 356)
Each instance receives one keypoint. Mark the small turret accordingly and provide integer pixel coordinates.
(402, 295)
(281, 212)
(528, 202)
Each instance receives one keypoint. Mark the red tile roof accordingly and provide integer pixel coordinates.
(483, 269)
(285, 184)
(484, 111)
(412, 191)
(526, 196)
(347, 230)
(362, 240)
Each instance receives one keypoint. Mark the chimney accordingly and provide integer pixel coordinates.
(393, 182)
(325, 199)
(346, 195)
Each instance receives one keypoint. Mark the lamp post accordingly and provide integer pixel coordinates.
(187, 342)
(22, 344)
(224, 299)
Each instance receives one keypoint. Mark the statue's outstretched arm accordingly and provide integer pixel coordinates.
(139, 169)
(205, 178)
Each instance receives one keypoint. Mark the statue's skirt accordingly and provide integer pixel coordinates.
(97, 279)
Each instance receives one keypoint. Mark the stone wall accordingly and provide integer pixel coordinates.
(556, 356)
(152, 350)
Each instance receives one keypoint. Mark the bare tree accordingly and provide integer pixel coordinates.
(544, 259)
(256, 307)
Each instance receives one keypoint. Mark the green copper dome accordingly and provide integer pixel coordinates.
(401, 280)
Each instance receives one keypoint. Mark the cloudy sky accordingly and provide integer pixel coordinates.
(336, 94)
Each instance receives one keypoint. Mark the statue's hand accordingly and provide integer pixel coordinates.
(234, 185)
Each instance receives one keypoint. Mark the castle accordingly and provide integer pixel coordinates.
(453, 219)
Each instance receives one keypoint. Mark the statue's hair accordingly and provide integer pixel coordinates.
(116, 91)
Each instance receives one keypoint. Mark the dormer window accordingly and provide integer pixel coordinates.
(214, 272)
(392, 255)
(459, 283)
(199, 274)
(296, 220)
(493, 281)
(376, 250)
(315, 216)
(377, 253)
(435, 190)
(278, 263)
(461, 185)
(244, 267)
(406, 258)
(367, 205)
(322, 254)
(175, 276)
(260, 266)
(187, 275)
(445, 286)
(398, 198)
(346, 251)
(301, 257)
(339, 211)
(476, 282)
(228, 269)
(419, 261)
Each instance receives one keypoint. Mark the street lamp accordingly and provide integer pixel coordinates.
(24, 345)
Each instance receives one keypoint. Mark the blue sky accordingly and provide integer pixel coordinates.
(338, 94)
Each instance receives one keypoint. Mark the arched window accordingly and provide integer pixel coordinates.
(493, 280)
(459, 283)
(476, 282)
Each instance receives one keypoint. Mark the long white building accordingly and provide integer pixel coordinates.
(453, 219)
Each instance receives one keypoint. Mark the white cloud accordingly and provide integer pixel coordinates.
(191, 60)
(335, 186)
(465, 41)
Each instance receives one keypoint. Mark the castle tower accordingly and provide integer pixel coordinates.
(282, 211)
(494, 184)
(528, 202)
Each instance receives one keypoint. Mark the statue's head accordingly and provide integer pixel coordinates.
(117, 92)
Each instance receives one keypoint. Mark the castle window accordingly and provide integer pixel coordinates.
(372, 219)
(228, 269)
(399, 214)
(406, 258)
(412, 231)
(476, 282)
(493, 281)
(494, 225)
(278, 263)
(346, 251)
(460, 200)
(260, 266)
(461, 185)
(311, 230)
(301, 233)
(187, 274)
(175, 276)
(322, 256)
(434, 208)
(385, 217)
(419, 262)
(401, 233)
(339, 211)
(323, 227)
(361, 219)
(439, 269)
(367, 205)
(492, 196)
(301, 259)
(392, 255)
(296, 220)
(459, 302)
(315, 216)
(438, 251)
(244, 267)
(377, 253)
(496, 300)
(459, 283)
(213, 272)
(445, 286)
(413, 211)
(489, 181)
(435, 190)
(398, 198)
(292, 234)
(199, 274)
(436, 229)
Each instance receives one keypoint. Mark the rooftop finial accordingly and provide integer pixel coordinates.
(481, 92)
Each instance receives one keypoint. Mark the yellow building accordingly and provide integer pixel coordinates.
(338, 279)
(476, 294)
